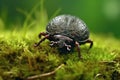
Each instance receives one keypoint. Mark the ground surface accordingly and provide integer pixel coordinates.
(19, 59)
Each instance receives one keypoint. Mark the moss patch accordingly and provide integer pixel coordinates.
(19, 59)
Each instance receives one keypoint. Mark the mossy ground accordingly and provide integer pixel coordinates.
(20, 59)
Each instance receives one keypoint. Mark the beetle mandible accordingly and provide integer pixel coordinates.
(66, 32)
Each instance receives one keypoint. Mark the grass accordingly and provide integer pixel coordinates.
(19, 59)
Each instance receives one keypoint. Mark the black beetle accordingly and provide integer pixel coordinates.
(66, 32)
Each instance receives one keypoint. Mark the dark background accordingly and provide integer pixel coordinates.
(101, 16)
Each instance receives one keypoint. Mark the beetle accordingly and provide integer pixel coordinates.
(66, 32)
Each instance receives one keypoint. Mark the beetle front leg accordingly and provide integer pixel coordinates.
(68, 46)
(60, 44)
(37, 44)
(42, 34)
(53, 43)
(62, 41)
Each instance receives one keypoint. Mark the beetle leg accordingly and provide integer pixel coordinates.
(60, 44)
(42, 34)
(53, 43)
(68, 46)
(37, 44)
(78, 49)
(91, 43)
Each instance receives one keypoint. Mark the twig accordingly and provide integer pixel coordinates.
(45, 74)
(97, 76)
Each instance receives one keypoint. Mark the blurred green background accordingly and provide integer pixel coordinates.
(101, 16)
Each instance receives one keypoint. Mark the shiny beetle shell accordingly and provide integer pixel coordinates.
(69, 26)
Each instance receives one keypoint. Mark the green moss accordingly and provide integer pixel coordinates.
(19, 58)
